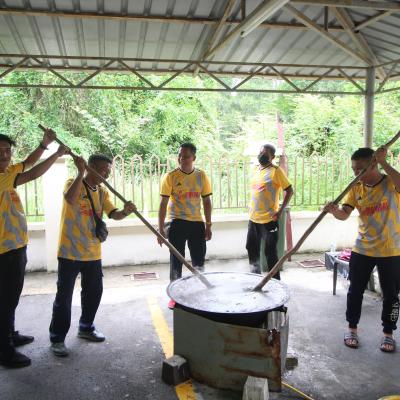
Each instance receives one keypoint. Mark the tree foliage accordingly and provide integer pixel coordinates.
(128, 122)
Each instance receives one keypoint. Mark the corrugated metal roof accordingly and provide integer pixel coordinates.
(164, 35)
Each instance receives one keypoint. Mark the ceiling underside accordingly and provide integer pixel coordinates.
(303, 39)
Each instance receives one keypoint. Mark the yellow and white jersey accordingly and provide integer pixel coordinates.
(78, 239)
(13, 227)
(185, 192)
(379, 219)
(266, 186)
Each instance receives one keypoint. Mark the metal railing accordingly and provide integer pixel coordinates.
(140, 181)
(315, 180)
(31, 195)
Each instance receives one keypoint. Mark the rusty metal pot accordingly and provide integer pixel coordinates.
(231, 299)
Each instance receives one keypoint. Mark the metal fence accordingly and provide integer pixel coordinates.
(31, 195)
(316, 180)
(140, 181)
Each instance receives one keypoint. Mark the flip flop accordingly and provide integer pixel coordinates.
(388, 341)
(351, 336)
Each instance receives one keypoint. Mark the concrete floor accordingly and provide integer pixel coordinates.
(128, 364)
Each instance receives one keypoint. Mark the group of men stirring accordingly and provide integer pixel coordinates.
(185, 191)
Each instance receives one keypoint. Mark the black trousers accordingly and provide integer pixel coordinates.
(192, 232)
(92, 290)
(255, 233)
(12, 273)
(361, 268)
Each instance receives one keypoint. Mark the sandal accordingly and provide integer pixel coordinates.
(351, 340)
(388, 344)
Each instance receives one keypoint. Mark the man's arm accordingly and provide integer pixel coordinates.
(339, 213)
(207, 205)
(162, 212)
(129, 208)
(32, 159)
(380, 156)
(72, 193)
(288, 195)
(40, 169)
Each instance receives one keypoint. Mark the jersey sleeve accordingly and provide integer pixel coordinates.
(206, 189)
(350, 198)
(108, 205)
(19, 167)
(166, 186)
(7, 179)
(281, 179)
(67, 185)
(391, 185)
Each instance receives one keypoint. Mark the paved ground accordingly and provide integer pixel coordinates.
(128, 364)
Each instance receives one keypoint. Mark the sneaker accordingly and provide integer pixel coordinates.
(171, 304)
(20, 340)
(59, 349)
(93, 336)
(14, 360)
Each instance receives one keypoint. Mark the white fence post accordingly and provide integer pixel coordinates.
(53, 184)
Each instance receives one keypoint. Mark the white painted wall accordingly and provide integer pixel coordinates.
(130, 242)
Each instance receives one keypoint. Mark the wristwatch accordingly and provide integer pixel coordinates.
(208, 223)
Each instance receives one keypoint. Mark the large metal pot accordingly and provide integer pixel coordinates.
(231, 299)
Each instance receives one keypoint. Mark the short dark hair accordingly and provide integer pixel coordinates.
(363, 153)
(5, 138)
(99, 157)
(189, 146)
(270, 147)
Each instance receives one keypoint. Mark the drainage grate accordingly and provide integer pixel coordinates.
(143, 276)
(311, 263)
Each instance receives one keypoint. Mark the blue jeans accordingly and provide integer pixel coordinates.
(92, 290)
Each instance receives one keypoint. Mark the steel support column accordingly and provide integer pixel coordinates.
(369, 107)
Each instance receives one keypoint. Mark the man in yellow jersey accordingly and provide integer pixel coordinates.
(266, 185)
(183, 190)
(377, 199)
(14, 240)
(79, 250)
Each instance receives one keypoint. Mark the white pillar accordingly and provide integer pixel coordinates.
(369, 107)
(53, 185)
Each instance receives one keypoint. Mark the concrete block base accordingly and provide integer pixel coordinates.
(175, 370)
(255, 389)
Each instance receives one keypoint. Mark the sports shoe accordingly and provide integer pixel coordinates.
(14, 359)
(20, 340)
(59, 349)
(93, 336)
(171, 304)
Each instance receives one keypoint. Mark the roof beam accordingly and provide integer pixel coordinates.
(371, 20)
(376, 5)
(234, 33)
(217, 31)
(338, 43)
(140, 71)
(147, 18)
(343, 17)
(182, 61)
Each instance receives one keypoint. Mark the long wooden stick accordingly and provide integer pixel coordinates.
(307, 233)
(144, 220)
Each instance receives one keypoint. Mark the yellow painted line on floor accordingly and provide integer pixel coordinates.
(185, 390)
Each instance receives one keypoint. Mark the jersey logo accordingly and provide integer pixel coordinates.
(179, 184)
